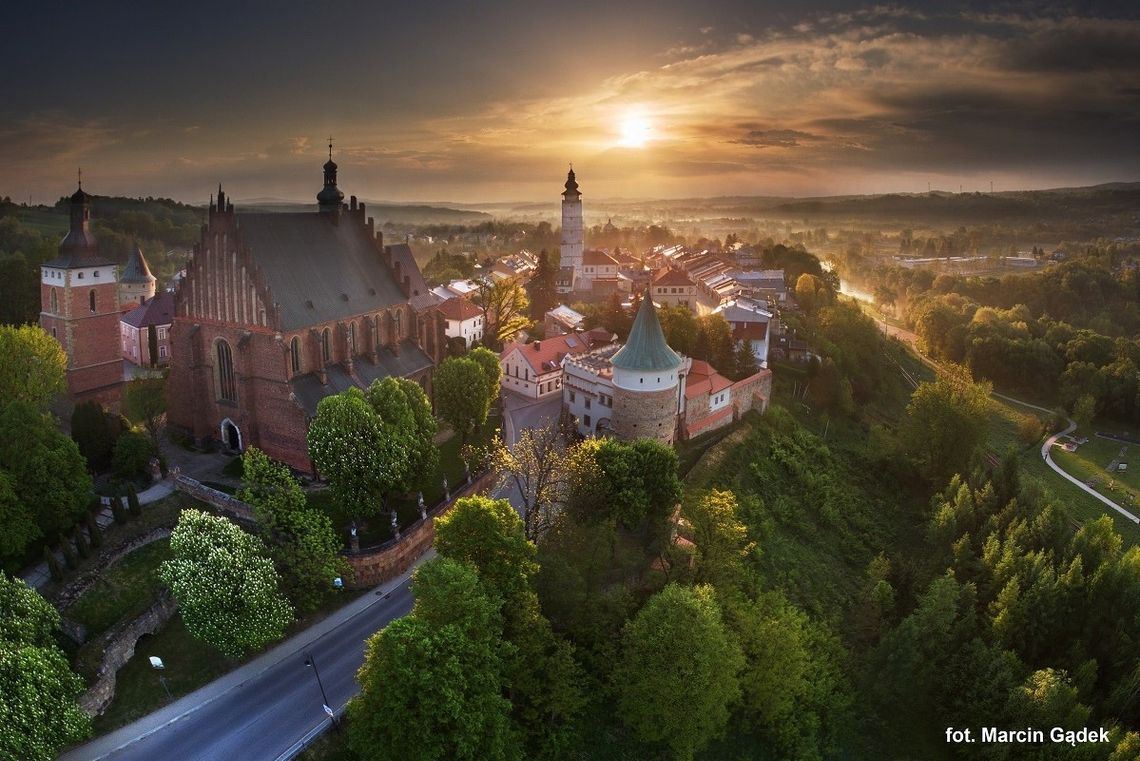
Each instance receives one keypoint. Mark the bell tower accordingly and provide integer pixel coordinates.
(571, 249)
(79, 303)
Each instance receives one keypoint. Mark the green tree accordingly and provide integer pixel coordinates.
(488, 534)
(945, 423)
(677, 679)
(144, 403)
(721, 539)
(38, 690)
(301, 540)
(93, 435)
(536, 467)
(32, 366)
(1084, 411)
(812, 293)
(132, 455)
(226, 588)
(746, 364)
(431, 683)
(542, 287)
(46, 482)
(363, 459)
(714, 343)
(488, 362)
(680, 326)
(405, 414)
(461, 394)
(624, 482)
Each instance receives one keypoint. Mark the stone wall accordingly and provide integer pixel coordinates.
(75, 589)
(645, 414)
(226, 503)
(379, 564)
(118, 647)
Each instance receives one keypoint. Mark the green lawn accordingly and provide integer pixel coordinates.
(1091, 460)
(123, 592)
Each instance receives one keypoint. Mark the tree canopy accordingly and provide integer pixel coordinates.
(32, 366)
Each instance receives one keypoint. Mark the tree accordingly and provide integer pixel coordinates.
(746, 364)
(492, 368)
(677, 677)
(536, 468)
(32, 366)
(431, 683)
(625, 482)
(44, 485)
(714, 343)
(461, 394)
(405, 413)
(132, 455)
(1084, 411)
(362, 458)
(542, 287)
(505, 308)
(945, 423)
(721, 539)
(812, 293)
(93, 435)
(680, 327)
(488, 534)
(38, 690)
(226, 588)
(144, 402)
(301, 540)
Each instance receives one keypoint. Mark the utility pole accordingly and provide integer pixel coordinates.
(325, 705)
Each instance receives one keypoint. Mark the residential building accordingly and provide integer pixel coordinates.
(462, 319)
(673, 287)
(562, 320)
(155, 316)
(750, 321)
(535, 369)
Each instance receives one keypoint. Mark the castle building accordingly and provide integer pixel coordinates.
(79, 302)
(279, 310)
(572, 241)
(137, 326)
(644, 389)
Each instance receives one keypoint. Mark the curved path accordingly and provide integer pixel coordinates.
(1047, 455)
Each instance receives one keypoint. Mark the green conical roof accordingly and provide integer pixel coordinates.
(646, 348)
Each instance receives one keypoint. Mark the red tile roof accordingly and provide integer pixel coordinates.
(596, 258)
(459, 309)
(704, 379)
(670, 276)
(543, 356)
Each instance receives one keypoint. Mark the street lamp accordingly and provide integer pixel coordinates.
(157, 664)
(328, 709)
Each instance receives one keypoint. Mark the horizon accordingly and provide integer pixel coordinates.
(654, 101)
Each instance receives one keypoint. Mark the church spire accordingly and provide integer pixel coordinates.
(571, 184)
(330, 198)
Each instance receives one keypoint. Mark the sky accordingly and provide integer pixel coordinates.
(485, 101)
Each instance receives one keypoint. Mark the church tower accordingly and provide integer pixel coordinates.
(79, 302)
(331, 198)
(647, 378)
(572, 227)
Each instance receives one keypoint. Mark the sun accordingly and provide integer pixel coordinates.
(635, 129)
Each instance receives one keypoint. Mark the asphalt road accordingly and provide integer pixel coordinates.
(263, 717)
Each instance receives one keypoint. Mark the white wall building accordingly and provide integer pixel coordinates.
(462, 319)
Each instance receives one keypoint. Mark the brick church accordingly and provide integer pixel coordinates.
(279, 310)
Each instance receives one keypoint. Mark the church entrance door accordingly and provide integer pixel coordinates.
(231, 435)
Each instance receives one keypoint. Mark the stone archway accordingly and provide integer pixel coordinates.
(231, 435)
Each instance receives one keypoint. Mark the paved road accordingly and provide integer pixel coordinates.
(264, 710)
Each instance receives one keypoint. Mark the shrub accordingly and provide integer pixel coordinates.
(117, 510)
(81, 543)
(132, 455)
(69, 557)
(133, 505)
(94, 531)
(53, 564)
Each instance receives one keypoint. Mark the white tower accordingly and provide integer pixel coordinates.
(572, 227)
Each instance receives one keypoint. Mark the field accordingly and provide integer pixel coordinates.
(1090, 462)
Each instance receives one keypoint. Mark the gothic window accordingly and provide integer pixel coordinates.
(295, 353)
(351, 339)
(54, 302)
(326, 351)
(91, 298)
(376, 332)
(396, 330)
(227, 385)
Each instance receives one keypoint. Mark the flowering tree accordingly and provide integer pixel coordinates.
(225, 585)
(38, 690)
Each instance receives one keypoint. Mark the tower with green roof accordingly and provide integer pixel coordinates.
(647, 381)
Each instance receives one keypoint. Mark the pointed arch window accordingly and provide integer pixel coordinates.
(326, 349)
(91, 299)
(351, 339)
(54, 302)
(227, 383)
(295, 354)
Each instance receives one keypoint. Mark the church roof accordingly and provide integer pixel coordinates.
(645, 349)
(136, 269)
(318, 270)
(309, 391)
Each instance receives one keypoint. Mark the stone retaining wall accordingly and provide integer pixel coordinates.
(376, 565)
(118, 647)
(226, 503)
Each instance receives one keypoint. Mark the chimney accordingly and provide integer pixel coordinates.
(538, 345)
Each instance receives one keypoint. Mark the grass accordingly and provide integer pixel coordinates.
(331, 746)
(1080, 506)
(123, 592)
(1090, 462)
